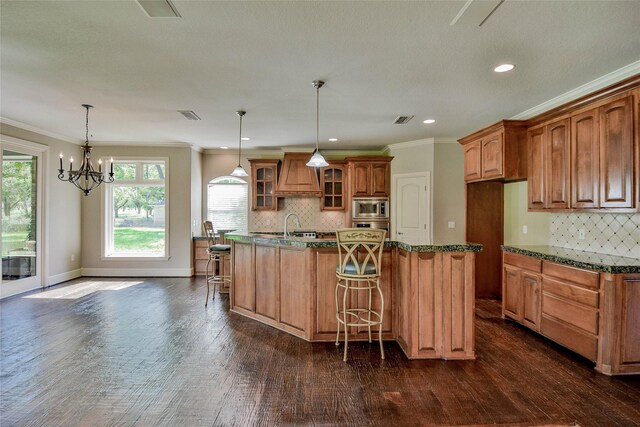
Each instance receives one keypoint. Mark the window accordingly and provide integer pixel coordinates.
(227, 203)
(136, 209)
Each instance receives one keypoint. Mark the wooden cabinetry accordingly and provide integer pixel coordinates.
(496, 153)
(264, 176)
(333, 183)
(586, 160)
(435, 302)
(370, 176)
(296, 178)
(594, 314)
(521, 282)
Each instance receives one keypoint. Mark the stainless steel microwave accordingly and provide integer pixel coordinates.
(370, 208)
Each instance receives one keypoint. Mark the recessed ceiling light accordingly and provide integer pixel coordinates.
(429, 121)
(224, 148)
(504, 68)
(333, 139)
(244, 138)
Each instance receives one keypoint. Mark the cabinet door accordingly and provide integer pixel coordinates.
(332, 181)
(535, 172)
(472, 161)
(380, 177)
(557, 161)
(360, 179)
(264, 184)
(492, 156)
(585, 158)
(512, 292)
(531, 299)
(616, 154)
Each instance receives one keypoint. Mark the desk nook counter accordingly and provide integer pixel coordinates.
(289, 283)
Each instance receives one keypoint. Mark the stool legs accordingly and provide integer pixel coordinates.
(209, 278)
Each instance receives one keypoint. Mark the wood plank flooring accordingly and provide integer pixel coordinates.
(147, 352)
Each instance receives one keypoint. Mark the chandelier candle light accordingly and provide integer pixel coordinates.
(316, 160)
(86, 178)
(239, 170)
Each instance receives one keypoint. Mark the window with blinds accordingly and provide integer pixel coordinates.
(227, 203)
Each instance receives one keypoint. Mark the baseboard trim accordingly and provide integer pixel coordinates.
(63, 277)
(137, 272)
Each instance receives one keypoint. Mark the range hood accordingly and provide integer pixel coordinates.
(296, 178)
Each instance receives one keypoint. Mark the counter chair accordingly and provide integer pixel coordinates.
(218, 253)
(360, 255)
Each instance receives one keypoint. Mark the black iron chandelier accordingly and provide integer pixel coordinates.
(86, 178)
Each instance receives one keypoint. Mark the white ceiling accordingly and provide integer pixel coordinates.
(379, 60)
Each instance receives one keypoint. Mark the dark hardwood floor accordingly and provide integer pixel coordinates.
(151, 354)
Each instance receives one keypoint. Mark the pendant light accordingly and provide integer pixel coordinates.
(239, 170)
(86, 178)
(316, 160)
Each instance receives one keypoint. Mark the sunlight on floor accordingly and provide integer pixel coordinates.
(81, 289)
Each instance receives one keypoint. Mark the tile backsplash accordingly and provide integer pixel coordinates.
(308, 210)
(614, 234)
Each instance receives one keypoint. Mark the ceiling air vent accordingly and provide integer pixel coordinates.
(401, 120)
(189, 115)
(159, 8)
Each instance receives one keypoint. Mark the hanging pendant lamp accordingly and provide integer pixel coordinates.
(86, 178)
(239, 170)
(316, 160)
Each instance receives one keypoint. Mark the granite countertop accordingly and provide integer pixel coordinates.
(306, 242)
(589, 260)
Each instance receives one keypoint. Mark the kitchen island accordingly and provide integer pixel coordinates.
(289, 283)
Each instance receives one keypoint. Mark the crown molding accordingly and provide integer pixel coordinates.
(130, 144)
(34, 129)
(599, 83)
(409, 144)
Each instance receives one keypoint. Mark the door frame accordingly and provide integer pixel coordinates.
(42, 153)
(429, 201)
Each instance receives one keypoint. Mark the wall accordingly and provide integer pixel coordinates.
(62, 212)
(443, 159)
(179, 176)
(196, 192)
(516, 216)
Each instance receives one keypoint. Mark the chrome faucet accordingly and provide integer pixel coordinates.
(286, 219)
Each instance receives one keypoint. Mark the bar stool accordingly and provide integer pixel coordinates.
(360, 254)
(218, 253)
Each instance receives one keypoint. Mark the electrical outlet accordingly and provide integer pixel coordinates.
(581, 234)
(452, 224)
(525, 229)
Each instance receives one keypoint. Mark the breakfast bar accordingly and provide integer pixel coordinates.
(289, 283)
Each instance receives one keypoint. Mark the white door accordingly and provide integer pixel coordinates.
(412, 214)
(22, 170)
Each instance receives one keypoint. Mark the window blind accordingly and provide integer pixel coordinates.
(227, 203)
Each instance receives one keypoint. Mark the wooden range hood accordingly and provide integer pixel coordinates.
(296, 178)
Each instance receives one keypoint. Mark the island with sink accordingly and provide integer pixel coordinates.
(289, 282)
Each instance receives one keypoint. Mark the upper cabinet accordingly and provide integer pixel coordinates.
(333, 182)
(496, 153)
(264, 176)
(585, 160)
(370, 176)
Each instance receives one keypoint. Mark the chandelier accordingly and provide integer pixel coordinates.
(86, 178)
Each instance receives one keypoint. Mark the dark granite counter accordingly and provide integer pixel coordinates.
(582, 259)
(328, 241)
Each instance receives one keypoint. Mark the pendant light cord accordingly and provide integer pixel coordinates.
(240, 141)
(317, 116)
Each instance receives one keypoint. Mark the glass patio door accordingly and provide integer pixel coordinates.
(21, 224)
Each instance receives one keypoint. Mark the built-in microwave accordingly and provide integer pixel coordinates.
(370, 208)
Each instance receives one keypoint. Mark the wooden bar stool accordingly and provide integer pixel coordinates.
(218, 253)
(360, 255)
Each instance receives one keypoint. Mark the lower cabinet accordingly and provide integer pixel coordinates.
(597, 315)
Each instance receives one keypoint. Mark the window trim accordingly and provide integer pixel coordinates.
(107, 209)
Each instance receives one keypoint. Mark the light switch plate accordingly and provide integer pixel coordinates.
(451, 224)
(525, 229)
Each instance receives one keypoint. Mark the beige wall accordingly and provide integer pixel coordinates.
(196, 193)
(448, 192)
(180, 205)
(62, 230)
(516, 216)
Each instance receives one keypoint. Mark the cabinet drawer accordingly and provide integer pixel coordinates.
(574, 293)
(578, 276)
(580, 342)
(583, 317)
(523, 261)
